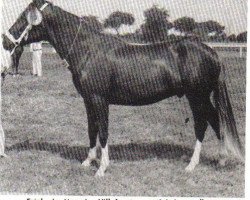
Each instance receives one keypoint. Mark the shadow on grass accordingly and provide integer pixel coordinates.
(124, 152)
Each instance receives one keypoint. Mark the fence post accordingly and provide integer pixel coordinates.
(241, 52)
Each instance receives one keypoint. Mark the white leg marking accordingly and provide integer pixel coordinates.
(98, 144)
(90, 158)
(195, 158)
(104, 162)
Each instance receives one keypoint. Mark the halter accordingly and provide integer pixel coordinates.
(73, 43)
(24, 34)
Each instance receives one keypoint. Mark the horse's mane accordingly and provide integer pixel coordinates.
(128, 44)
(117, 38)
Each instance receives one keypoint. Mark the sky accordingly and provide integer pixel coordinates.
(230, 13)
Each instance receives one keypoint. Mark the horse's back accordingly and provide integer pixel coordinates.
(143, 74)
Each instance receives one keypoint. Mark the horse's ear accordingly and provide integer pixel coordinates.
(34, 16)
(39, 3)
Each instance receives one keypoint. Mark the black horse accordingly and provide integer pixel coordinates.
(107, 70)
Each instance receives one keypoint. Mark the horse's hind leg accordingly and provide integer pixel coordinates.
(97, 112)
(200, 125)
(213, 120)
(103, 136)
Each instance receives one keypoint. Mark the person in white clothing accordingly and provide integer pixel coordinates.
(5, 63)
(36, 49)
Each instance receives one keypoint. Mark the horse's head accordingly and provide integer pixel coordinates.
(30, 26)
(42, 21)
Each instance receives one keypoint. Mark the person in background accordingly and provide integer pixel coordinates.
(36, 49)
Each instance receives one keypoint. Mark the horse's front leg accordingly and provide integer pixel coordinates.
(92, 131)
(97, 111)
(15, 60)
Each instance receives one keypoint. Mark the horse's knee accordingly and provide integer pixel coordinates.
(212, 116)
(200, 128)
(103, 139)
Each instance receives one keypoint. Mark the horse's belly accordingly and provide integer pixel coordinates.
(123, 98)
(142, 91)
(146, 81)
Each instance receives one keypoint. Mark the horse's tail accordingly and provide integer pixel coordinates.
(229, 133)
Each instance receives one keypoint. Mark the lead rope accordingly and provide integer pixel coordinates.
(73, 43)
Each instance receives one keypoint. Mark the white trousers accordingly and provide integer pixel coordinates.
(37, 62)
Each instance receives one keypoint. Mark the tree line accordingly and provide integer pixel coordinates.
(157, 25)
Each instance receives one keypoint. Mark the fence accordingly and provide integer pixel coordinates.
(239, 46)
(215, 45)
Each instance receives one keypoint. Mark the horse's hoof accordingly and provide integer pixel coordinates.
(86, 163)
(3, 155)
(189, 168)
(99, 173)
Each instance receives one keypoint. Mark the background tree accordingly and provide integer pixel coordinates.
(232, 38)
(156, 24)
(242, 37)
(185, 25)
(218, 38)
(118, 18)
(209, 28)
(93, 22)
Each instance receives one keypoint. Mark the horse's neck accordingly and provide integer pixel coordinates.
(65, 36)
(31, 40)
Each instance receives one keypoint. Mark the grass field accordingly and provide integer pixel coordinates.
(46, 137)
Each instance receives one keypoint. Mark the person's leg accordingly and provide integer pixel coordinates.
(34, 61)
(39, 63)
